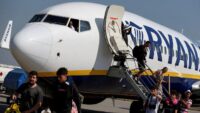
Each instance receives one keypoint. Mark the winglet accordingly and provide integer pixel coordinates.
(5, 41)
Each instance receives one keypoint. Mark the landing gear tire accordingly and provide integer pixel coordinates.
(136, 107)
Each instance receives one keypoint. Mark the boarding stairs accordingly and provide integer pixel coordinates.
(149, 80)
(125, 73)
(141, 86)
(119, 49)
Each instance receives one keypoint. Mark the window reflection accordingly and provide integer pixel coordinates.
(84, 26)
(74, 24)
(37, 18)
(56, 20)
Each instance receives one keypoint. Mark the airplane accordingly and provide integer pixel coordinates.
(10, 72)
(47, 43)
(3, 72)
(4, 69)
(7, 73)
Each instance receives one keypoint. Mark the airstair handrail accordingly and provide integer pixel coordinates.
(149, 79)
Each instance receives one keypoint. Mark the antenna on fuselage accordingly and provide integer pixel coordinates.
(182, 31)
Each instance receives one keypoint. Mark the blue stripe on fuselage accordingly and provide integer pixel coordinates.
(189, 56)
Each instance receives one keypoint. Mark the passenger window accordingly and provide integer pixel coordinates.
(56, 20)
(182, 57)
(165, 50)
(74, 24)
(161, 49)
(153, 47)
(37, 18)
(158, 49)
(192, 59)
(84, 26)
(186, 56)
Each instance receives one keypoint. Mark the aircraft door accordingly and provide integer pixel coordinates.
(112, 29)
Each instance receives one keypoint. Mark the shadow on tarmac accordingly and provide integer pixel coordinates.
(92, 111)
(2, 107)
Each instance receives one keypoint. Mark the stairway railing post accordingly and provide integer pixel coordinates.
(169, 84)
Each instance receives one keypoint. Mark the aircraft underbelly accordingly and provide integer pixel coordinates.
(105, 85)
(117, 86)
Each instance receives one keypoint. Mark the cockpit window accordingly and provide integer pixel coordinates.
(56, 20)
(84, 26)
(79, 26)
(37, 18)
(74, 24)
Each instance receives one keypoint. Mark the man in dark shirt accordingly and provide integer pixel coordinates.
(63, 92)
(141, 58)
(31, 95)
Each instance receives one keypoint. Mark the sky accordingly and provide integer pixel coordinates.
(180, 15)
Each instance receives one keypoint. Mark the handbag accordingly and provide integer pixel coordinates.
(74, 107)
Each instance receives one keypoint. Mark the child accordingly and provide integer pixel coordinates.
(171, 103)
(153, 101)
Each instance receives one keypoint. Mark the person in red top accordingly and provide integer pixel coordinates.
(171, 103)
(186, 102)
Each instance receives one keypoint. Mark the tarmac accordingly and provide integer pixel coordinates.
(107, 106)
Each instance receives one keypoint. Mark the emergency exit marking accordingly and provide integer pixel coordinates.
(113, 18)
(1, 73)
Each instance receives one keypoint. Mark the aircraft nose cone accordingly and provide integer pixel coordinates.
(31, 46)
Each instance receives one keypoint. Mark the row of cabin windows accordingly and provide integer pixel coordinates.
(163, 49)
(77, 25)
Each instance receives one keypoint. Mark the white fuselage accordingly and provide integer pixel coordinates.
(36, 46)
(45, 46)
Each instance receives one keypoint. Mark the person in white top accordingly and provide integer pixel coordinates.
(47, 110)
(159, 76)
(71, 25)
(153, 101)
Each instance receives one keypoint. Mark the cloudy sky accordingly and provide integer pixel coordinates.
(175, 14)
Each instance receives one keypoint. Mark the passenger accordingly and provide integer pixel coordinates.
(186, 102)
(159, 76)
(125, 31)
(141, 53)
(64, 93)
(71, 25)
(46, 110)
(113, 27)
(153, 101)
(31, 94)
(77, 97)
(171, 103)
(179, 96)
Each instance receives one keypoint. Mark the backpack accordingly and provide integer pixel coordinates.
(135, 51)
(13, 108)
